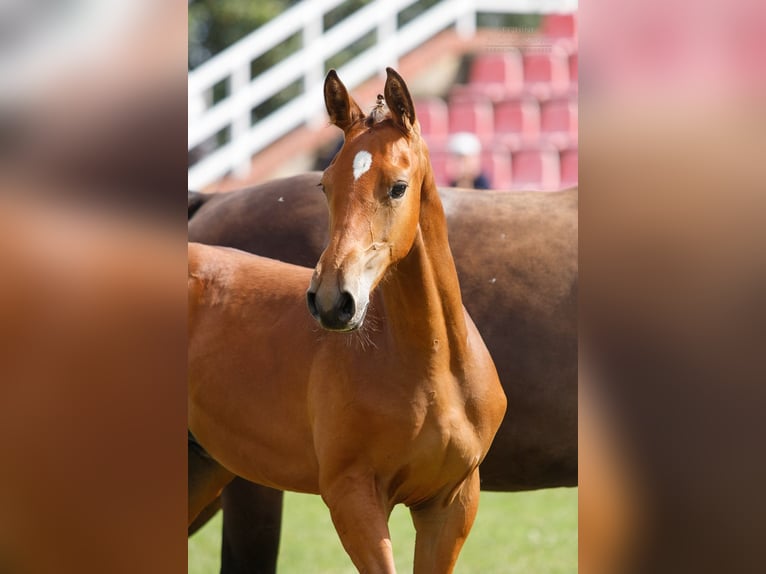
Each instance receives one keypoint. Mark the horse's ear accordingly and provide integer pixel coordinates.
(399, 100)
(341, 107)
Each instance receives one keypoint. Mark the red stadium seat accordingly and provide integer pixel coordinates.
(472, 115)
(499, 74)
(493, 75)
(546, 73)
(439, 161)
(560, 31)
(559, 26)
(573, 68)
(433, 117)
(558, 122)
(536, 169)
(496, 164)
(519, 119)
(568, 167)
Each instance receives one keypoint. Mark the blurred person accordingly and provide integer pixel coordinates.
(465, 161)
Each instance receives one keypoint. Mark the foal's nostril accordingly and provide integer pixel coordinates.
(346, 306)
(311, 300)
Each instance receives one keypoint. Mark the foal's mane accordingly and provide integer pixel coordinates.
(378, 113)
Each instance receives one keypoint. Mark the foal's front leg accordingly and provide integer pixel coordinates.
(361, 520)
(442, 527)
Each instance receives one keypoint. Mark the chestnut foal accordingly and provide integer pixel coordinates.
(400, 408)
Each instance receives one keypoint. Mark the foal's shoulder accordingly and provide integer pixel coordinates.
(207, 261)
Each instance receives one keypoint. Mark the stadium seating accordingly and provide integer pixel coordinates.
(517, 122)
(522, 105)
(559, 26)
(472, 114)
(546, 73)
(558, 122)
(536, 168)
(499, 74)
(439, 160)
(560, 30)
(496, 165)
(494, 75)
(433, 116)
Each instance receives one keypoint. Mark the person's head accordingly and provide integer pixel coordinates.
(465, 158)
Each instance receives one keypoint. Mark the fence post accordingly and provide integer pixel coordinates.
(239, 80)
(387, 30)
(312, 33)
(466, 23)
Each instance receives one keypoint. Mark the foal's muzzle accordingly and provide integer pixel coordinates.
(338, 316)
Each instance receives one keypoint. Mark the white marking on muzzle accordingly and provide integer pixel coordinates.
(365, 277)
(362, 163)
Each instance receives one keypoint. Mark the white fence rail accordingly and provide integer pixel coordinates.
(308, 66)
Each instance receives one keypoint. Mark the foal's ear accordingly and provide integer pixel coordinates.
(341, 107)
(399, 101)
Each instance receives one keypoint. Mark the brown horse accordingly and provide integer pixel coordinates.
(397, 407)
(516, 256)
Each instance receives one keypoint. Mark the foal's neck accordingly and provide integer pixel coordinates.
(422, 294)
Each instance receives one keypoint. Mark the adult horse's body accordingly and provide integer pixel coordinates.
(402, 411)
(526, 242)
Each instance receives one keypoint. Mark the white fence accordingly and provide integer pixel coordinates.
(308, 66)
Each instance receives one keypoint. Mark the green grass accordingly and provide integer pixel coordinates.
(533, 532)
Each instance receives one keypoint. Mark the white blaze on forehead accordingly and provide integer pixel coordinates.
(362, 163)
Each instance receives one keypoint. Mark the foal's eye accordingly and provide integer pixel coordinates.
(397, 190)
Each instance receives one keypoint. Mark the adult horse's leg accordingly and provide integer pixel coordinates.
(442, 526)
(361, 521)
(207, 513)
(252, 517)
(206, 479)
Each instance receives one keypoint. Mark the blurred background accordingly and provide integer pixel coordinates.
(501, 76)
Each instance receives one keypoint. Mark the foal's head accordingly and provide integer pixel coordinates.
(373, 191)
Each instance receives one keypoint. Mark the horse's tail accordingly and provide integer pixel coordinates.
(196, 199)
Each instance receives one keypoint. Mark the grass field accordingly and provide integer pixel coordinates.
(520, 533)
